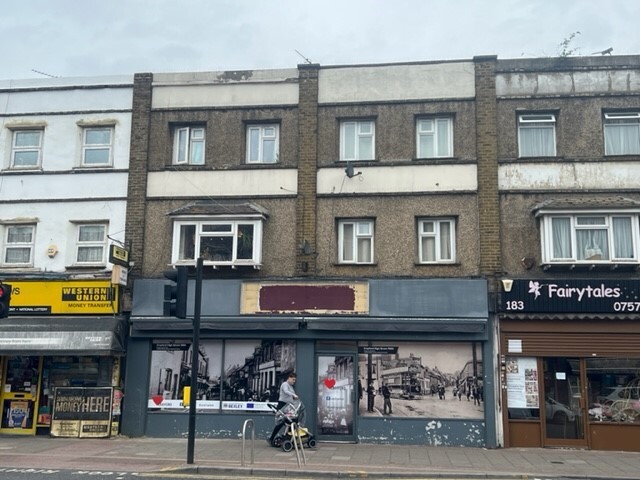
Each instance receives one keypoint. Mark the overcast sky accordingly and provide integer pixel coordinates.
(112, 37)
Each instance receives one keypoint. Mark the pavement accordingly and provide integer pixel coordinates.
(327, 460)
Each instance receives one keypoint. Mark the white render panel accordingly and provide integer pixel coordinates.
(226, 76)
(225, 95)
(396, 82)
(554, 83)
(398, 179)
(232, 183)
(573, 176)
(107, 185)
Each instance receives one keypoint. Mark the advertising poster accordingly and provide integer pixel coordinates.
(81, 412)
(522, 382)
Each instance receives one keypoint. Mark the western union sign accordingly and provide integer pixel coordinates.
(60, 297)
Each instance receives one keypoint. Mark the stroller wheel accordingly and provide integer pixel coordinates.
(287, 446)
(277, 442)
(311, 443)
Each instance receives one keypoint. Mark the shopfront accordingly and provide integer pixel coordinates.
(570, 363)
(60, 359)
(370, 357)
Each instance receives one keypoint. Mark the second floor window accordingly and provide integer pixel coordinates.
(622, 133)
(18, 245)
(91, 243)
(436, 240)
(26, 149)
(357, 140)
(96, 146)
(355, 241)
(537, 135)
(262, 143)
(188, 145)
(434, 137)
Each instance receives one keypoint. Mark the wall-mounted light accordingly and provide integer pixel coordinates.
(507, 283)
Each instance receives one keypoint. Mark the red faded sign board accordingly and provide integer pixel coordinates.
(307, 297)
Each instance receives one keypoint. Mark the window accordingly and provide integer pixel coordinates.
(436, 240)
(537, 135)
(590, 238)
(188, 146)
(262, 143)
(18, 245)
(622, 133)
(91, 243)
(96, 146)
(357, 140)
(434, 137)
(613, 389)
(355, 241)
(224, 242)
(26, 149)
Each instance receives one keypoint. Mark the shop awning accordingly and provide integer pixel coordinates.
(63, 335)
(145, 324)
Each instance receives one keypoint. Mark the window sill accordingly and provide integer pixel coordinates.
(93, 167)
(437, 264)
(355, 264)
(99, 266)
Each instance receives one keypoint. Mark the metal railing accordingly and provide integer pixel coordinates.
(249, 423)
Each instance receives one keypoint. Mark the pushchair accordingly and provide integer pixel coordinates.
(292, 412)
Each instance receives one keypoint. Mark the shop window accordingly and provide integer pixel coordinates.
(614, 389)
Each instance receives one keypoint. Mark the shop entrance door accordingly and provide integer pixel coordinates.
(564, 422)
(336, 397)
(19, 396)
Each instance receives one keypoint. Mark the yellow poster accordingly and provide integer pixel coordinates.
(63, 297)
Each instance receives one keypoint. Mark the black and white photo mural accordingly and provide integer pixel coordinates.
(420, 379)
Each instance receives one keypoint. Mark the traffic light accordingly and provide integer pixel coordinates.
(5, 299)
(175, 294)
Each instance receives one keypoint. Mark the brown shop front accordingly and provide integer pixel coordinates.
(570, 363)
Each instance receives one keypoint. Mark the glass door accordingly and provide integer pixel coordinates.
(21, 380)
(336, 397)
(563, 402)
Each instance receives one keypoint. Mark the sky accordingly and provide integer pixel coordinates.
(78, 38)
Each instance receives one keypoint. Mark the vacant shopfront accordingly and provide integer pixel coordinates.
(570, 364)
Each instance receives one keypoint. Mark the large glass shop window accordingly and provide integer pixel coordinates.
(233, 375)
(420, 379)
(614, 389)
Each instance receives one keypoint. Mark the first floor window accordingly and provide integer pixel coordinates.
(262, 143)
(18, 245)
(96, 146)
(537, 135)
(591, 238)
(218, 242)
(434, 137)
(26, 151)
(622, 133)
(188, 146)
(91, 243)
(355, 241)
(357, 140)
(436, 240)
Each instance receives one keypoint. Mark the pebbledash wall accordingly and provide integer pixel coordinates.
(415, 335)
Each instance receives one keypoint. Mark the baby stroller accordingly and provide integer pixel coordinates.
(291, 413)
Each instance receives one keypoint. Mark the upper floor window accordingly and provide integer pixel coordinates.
(357, 140)
(91, 243)
(436, 240)
(18, 245)
(26, 149)
(262, 143)
(188, 145)
(96, 146)
(537, 135)
(590, 238)
(434, 137)
(218, 242)
(622, 133)
(355, 241)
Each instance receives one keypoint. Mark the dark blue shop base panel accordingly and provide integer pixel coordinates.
(170, 425)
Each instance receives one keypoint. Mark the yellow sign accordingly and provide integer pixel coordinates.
(63, 297)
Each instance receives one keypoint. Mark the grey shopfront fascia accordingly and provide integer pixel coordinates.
(402, 310)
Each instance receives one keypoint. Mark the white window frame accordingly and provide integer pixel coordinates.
(351, 244)
(364, 131)
(185, 154)
(258, 155)
(87, 148)
(444, 249)
(8, 244)
(537, 121)
(583, 251)
(629, 121)
(91, 244)
(435, 128)
(18, 149)
(210, 228)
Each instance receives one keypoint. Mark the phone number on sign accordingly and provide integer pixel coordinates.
(617, 306)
